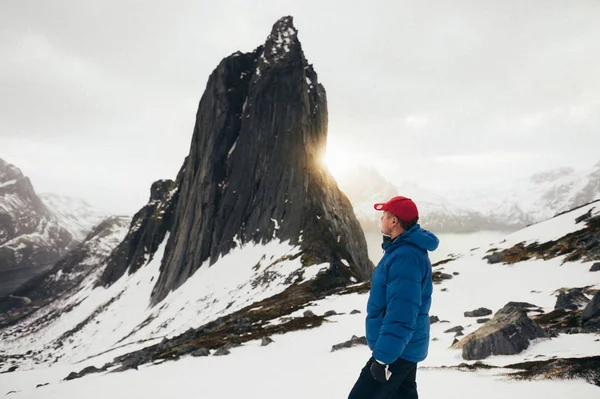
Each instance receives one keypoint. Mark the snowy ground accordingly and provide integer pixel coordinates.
(300, 364)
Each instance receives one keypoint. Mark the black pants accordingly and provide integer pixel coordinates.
(401, 385)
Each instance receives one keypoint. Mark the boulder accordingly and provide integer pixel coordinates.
(201, 352)
(266, 341)
(354, 341)
(595, 267)
(478, 312)
(508, 333)
(454, 329)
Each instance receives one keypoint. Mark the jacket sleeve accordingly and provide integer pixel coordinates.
(403, 298)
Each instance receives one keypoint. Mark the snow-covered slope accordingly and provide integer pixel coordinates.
(120, 314)
(537, 198)
(74, 214)
(309, 369)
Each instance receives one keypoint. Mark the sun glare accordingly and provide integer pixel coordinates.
(337, 161)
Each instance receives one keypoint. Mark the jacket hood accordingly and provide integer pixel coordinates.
(416, 236)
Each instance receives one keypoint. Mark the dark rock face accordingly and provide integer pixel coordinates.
(354, 341)
(31, 239)
(478, 312)
(571, 299)
(254, 172)
(433, 319)
(456, 329)
(591, 313)
(595, 267)
(508, 333)
(148, 229)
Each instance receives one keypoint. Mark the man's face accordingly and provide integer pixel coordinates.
(388, 221)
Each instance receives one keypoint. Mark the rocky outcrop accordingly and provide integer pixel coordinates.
(31, 240)
(591, 313)
(254, 172)
(148, 229)
(480, 312)
(508, 333)
(571, 299)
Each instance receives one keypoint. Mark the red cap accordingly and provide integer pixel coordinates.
(404, 208)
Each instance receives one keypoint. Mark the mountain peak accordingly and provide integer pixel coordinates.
(9, 172)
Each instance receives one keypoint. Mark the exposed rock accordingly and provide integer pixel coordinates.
(73, 375)
(309, 313)
(508, 333)
(433, 319)
(581, 245)
(595, 267)
(585, 216)
(31, 239)
(455, 273)
(42, 385)
(495, 257)
(266, 341)
(442, 262)
(147, 230)
(355, 311)
(454, 329)
(254, 173)
(591, 313)
(478, 312)
(223, 351)
(201, 352)
(586, 368)
(438, 277)
(354, 341)
(482, 321)
(330, 313)
(571, 299)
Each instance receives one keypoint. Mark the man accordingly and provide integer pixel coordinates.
(398, 308)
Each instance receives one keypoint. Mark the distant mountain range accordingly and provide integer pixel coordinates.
(36, 230)
(528, 201)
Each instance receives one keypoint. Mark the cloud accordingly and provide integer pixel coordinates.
(441, 91)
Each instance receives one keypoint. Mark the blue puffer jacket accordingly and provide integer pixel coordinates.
(400, 298)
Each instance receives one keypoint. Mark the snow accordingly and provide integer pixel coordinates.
(74, 214)
(8, 183)
(246, 275)
(297, 365)
(301, 364)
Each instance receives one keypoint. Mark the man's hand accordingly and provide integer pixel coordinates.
(380, 371)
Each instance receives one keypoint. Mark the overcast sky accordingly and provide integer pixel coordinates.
(98, 98)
